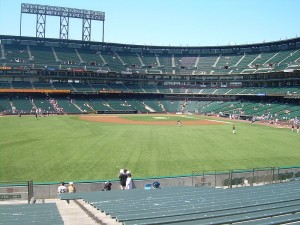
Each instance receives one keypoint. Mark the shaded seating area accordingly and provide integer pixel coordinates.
(267, 204)
(46, 214)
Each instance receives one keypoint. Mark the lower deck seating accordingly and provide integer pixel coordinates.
(46, 214)
(75, 103)
(274, 203)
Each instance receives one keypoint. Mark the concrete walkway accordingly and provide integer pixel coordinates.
(71, 213)
(81, 213)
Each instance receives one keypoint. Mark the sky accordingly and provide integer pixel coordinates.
(167, 22)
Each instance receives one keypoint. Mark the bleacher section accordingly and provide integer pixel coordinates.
(42, 56)
(67, 105)
(77, 104)
(153, 105)
(137, 105)
(46, 214)
(267, 204)
(5, 106)
(83, 105)
(16, 55)
(82, 87)
(172, 105)
(99, 104)
(62, 86)
(90, 87)
(21, 85)
(192, 64)
(43, 104)
(119, 105)
(37, 85)
(22, 104)
(67, 57)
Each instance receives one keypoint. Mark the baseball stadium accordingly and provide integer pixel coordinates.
(209, 134)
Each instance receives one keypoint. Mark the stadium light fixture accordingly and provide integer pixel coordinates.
(64, 13)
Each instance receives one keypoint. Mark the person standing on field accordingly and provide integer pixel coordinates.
(233, 129)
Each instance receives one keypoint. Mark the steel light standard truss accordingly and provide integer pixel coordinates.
(65, 14)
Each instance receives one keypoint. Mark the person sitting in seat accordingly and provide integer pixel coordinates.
(156, 184)
(71, 188)
(107, 186)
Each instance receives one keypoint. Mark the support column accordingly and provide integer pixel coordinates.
(86, 29)
(103, 32)
(64, 28)
(40, 25)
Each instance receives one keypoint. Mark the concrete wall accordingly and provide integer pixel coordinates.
(45, 191)
(50, 191)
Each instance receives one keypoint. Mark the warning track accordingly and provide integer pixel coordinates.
(120, 120)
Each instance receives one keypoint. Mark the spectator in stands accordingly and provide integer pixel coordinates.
(107, 186)
(246, 182)
(156, 184)
(71, 188)
(62, 188)
(129, 182)
(123, 178)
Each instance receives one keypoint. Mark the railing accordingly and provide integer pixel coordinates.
(245, 177)
(16, 190)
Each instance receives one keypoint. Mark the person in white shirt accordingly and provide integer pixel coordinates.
(129, 182)
(62, 188)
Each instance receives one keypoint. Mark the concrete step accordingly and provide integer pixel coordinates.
(72, 214)
(99, 215)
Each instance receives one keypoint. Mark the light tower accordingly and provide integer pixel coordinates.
(41, 11)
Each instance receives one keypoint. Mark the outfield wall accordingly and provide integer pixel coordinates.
(44, 191)
(225, 179)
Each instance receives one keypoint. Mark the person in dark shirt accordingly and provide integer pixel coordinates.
(123, 178)
(156, 185)
(107, 186)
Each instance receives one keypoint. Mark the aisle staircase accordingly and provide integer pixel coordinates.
(55, 55)
(78, 212)
(79, 57)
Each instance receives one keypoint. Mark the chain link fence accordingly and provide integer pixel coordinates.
(246, 177)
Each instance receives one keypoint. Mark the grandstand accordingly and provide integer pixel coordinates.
(253, 81)
(215, 63)
(30, 214)
(269, 204)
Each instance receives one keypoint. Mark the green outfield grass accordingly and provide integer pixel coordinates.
(59, 148)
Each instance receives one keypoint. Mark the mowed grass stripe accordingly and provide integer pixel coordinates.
(59, 148)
